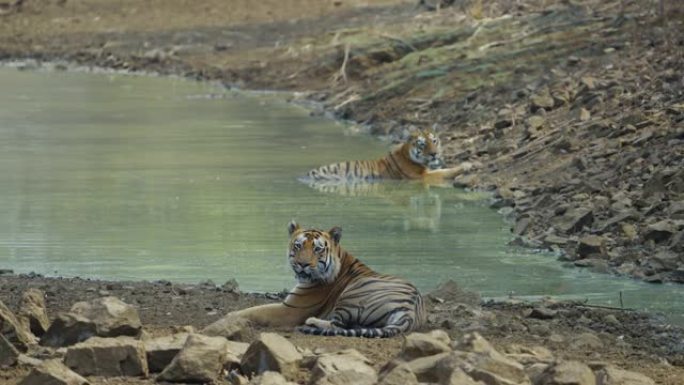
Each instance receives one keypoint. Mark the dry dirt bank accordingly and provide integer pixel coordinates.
(629, 340)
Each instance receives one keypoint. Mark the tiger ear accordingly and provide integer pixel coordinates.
(335, 234)
(292, 227)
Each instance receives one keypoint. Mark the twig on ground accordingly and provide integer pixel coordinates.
(342, 73)
(399, 40)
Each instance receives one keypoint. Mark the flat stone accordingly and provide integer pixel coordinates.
(230, 327)
(486, 364)
(591, 245)
(68, 329)
(613, 376)
(346, 366)
(529, 355)
(161, 350)
(271, 352)
(8, 353)
(587, 341)
(13, 330)
(201, 359)
(420, 345)
(660, 232)
(424, 367)
(575, 220)
(53, 372)
(111, 357)
(535, 122)
(111, 316)
(567, 373)
(33, 312)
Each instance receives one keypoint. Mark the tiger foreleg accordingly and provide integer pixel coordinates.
(274, 314)
(443, 175)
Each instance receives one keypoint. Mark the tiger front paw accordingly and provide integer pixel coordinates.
(318, 323)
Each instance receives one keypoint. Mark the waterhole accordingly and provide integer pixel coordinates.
(142, 178)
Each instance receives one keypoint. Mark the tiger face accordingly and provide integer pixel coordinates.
(425, 149)
(313, 253)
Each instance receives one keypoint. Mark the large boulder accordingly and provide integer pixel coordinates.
(201, 359)
(113, 357)
(271, 352)
(567, 373)
(8, 353)
(13, 330)
(344, 367)
(112, 317)
(33, 313)
(161, 350)
(421, 345)
(231, 327)
(68, 329)
(613, 376)
(53, 372)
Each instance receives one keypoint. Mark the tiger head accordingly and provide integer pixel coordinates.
(313, 254)
(424, 149)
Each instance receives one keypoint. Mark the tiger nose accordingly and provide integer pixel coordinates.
(433, 155)
(301, 265)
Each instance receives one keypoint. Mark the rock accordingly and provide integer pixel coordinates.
(161, 350)
(399, 375)
(32, 312)
(590, 245)
(420, 345)
(53, 372)
(555, 240)
(24, 360)
(424, 367)
(535, 122)
(230, 327)
(68, 329)
(542, 100)
(440, 335)
(542, 312)
(660, 232)
(487, 364)
(271, 378)
(347, 377)
(587, 340)
(8, 353)
(111, 316)
(521, 226)
(201, 359)
(13, 330)
(529, 355)
(112, 357)
(575, 220)
(450, 291)
(344, 367)
(271, 352)
(567, 373)
(458, 377)
(231, 286)
(614, 376)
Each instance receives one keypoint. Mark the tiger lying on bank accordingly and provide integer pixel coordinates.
(418, 158)
(337, 295)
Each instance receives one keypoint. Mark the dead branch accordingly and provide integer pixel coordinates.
(342, 73)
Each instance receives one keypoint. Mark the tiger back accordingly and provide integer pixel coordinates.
(411, 160)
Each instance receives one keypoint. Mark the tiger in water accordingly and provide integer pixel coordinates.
(418, 158)
(338, 295)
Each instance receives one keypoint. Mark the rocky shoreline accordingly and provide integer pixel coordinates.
(101, 332)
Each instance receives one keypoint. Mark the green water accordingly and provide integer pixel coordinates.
(123, 177)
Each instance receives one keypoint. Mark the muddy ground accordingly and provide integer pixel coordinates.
(572, 112)
(631, 340)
